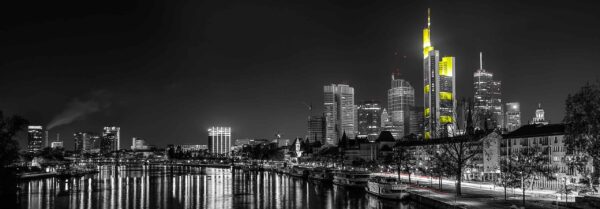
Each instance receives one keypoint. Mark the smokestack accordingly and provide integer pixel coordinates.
(57, 137)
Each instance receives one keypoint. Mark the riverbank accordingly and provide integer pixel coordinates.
(37, 175)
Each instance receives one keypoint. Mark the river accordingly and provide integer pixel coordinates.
(211, 188)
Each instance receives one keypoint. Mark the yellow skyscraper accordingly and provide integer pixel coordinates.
(439, 93)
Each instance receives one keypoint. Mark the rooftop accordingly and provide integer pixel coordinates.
(533, 130)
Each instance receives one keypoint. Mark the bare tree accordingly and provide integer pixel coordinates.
(405, 160)
(436, 165)
(526, 165)
(506, 178)
(456, 155)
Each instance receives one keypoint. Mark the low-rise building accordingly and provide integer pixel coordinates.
(56, 145)
(193, 147)
(139, 144)
(550, 140)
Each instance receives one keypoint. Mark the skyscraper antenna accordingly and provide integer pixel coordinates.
(481, 60)
(428, 17)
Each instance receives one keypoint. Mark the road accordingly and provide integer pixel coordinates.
(483, 195)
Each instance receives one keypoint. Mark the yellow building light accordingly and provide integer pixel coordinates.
(426, 38)
(427, 135)
(446, 66)
(446, 96)
(426, 51)
(444, 119)
(427, 89)
(427, 47)
(427, 111)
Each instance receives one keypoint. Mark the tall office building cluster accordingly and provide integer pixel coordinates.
(340, 112)
(487, 98)
(440, 95)
(86, 142)
(91, 142)
(37, 139)
(219, 140)
(437, 117)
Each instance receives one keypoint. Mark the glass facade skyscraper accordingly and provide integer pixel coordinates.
(369, 120)
(111, 139)
(219, 140)
(340, 112)
(439, 87)
(401, 103)
(316, 129)
(487, 98)
(512, 116)
(34, 138)
(84, 141)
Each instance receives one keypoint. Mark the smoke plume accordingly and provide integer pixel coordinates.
(78, 109)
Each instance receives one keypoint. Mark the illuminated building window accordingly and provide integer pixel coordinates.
(445, 96)
(427, 111)
(446, 66)
(446, 119)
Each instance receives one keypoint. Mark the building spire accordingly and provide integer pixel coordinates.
(481, 60)
(428, 17)
(427, 47)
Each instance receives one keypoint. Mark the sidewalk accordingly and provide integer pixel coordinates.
(475, 195)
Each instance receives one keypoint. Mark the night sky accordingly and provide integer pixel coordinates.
(166, 71)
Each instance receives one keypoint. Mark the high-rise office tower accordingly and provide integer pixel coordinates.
(418, 124)
(84, 141)
(340, 112)
(488, 102)
(401, 103)
(35, 138)
(540, 116)
(316, 129)
(111, 139)
(219, 140)
(439, 83)
(512, 116)
(369, 120)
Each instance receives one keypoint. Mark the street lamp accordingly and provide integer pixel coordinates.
(566, 194)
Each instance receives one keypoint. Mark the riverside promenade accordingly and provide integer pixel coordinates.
(482, 195)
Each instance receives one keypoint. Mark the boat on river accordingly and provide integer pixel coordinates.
(353, 179)
(320, 174)
(387, 187)
(299, 172)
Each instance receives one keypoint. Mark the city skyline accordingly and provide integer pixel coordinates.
(187, 118)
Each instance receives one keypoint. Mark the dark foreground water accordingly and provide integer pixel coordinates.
(216, 188)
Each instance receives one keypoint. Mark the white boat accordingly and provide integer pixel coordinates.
(357, 179)
(387, 187)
